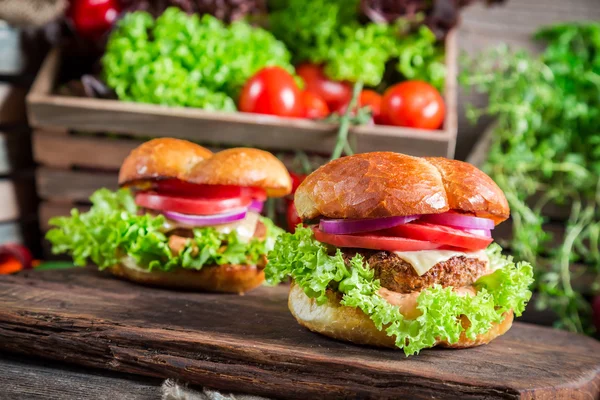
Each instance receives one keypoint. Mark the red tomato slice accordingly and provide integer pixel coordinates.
(182, 188)
(444, 235)
(374, 241)
(190, 205)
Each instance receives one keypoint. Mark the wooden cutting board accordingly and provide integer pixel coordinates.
(252, 344)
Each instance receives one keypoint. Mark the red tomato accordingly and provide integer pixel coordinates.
(374, 241)
(314, 106)
(415, 104)
(273, 91)
(443, 235)
(93, 18)
(372, 99)
(296, 180)
(334, 93)
(292, 217)
(368, 98)
(187, 189)
(190, 205)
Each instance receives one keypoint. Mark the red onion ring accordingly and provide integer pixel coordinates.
(459, 221)
(206, 220)
(346, 226)
(256, 206)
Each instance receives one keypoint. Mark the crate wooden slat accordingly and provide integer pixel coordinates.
(49, 209)
(72, 186)
(47, 110)
(61, 150)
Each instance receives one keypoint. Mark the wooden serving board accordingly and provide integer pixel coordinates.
(252, 344)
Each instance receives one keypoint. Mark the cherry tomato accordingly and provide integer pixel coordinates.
(374, 241)
(314, 106)
(444, 235)
(190, 205)
(415, 104)
(273, 91)
(372, 99)
(368, 98)
(296, 180)
(187, 189)
(292, 216)
(93, 18)
(335, 93)
(14, 257)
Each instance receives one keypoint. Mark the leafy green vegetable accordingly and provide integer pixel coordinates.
(306, 260)
(187, 60)
(546, 150)
(329, 32)
(112, 229)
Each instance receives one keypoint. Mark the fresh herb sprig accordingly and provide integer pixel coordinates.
(546, 150)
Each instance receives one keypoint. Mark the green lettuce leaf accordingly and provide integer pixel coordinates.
(112, 230)
(307, 261)
(187, 60)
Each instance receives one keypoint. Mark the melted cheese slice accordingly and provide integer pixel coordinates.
(422, 261)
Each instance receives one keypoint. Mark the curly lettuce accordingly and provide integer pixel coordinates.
(113, 230)
(187, 60)
(307, 261)
(329, 32)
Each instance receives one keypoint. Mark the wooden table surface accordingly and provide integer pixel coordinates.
(32, 379)
(252, 344)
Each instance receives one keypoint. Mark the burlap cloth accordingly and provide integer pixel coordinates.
(31, 12)
(172, 390)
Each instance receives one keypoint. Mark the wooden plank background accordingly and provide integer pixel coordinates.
(512, 23)
(48, 380)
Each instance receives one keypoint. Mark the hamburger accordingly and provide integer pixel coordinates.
(183, 218)
(396, 251)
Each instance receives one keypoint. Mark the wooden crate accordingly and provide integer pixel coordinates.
(48, 110)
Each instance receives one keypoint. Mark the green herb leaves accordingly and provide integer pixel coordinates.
(112, 229)
(187, 60)
(546, 150)
(307, 262)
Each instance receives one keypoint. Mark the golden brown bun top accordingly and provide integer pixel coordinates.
(175, 158)
(244, 167)
(471, 190)
(386, 184)
(162, 158)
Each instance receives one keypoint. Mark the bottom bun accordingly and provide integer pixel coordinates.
(351, 324)
(219, 278)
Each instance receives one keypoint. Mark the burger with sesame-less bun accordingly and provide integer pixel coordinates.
(397, 252)
(183, 218)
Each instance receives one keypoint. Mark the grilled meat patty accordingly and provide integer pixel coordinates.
(399, 276)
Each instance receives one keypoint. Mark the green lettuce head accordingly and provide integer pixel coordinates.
(328, 281)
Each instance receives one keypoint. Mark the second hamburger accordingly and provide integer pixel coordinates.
(184, 218)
